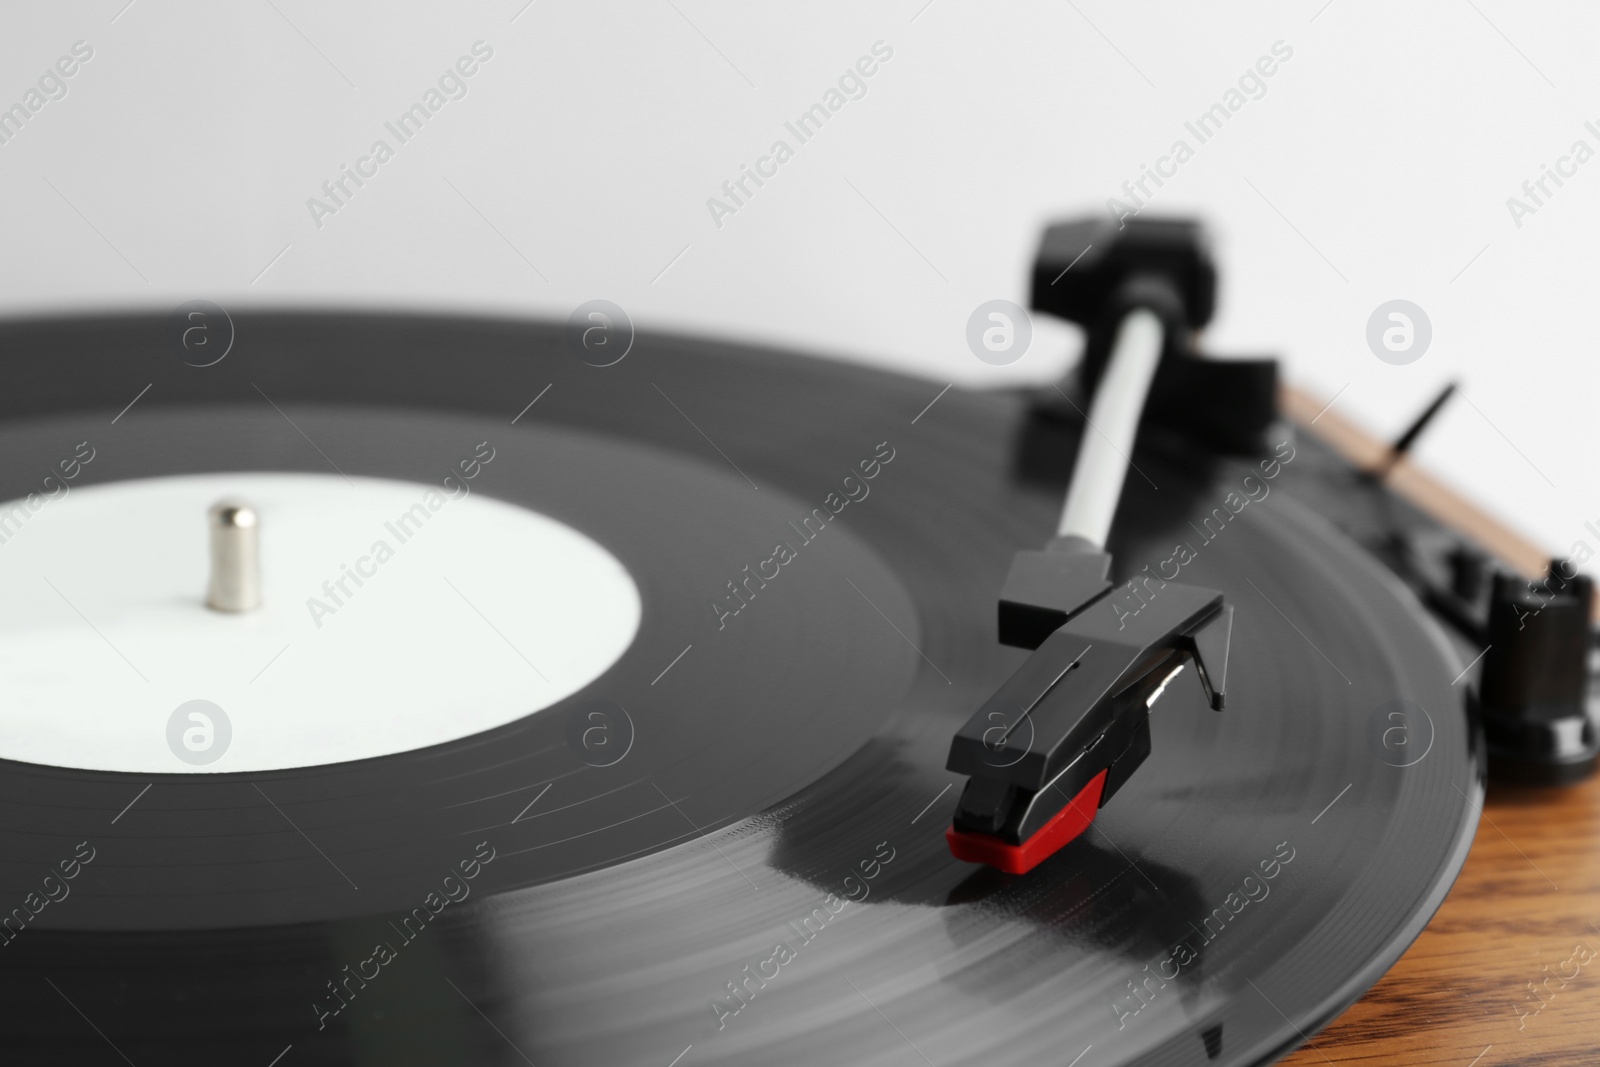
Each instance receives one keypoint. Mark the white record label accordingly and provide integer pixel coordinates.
(394, 616)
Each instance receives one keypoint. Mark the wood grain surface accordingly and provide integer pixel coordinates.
(1508, 971)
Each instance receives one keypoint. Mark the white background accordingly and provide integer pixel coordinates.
(1376, 166)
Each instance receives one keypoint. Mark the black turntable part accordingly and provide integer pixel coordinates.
(1532, 639)
(1084, 698)
(1409, 435)
(1226, 405)
(1461, 596)
(1531, 644)
(1538, 719)
(1083, 269)
(1042, 751)
(1082, 272)
(1469, 571)
(1067, 693)
(1044, 589)
(1130, 759)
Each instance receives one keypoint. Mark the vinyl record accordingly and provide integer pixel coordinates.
(761, 875)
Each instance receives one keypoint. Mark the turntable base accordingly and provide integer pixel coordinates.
(1525, 909)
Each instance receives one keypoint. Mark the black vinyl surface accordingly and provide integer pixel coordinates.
(786, 784)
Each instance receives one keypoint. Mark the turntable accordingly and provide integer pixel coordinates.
(408, 689)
